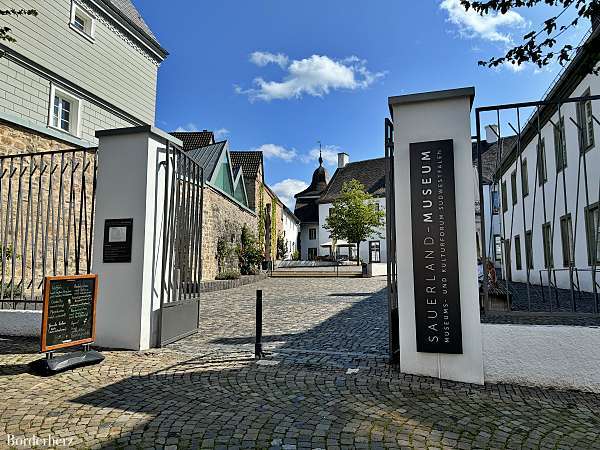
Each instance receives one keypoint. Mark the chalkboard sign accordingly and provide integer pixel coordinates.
(69, 316)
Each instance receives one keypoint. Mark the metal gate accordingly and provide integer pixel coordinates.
(539, 213)
(46, 221)
(390, 224)
(182, 246)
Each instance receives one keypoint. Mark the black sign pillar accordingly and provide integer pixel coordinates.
(435, 252)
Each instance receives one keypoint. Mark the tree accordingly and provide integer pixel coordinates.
(354, 216)
(5, 32)
(542, 46)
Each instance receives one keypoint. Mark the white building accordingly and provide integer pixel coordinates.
(548, 224)
(291, 231)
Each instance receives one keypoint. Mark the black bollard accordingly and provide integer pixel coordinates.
(258, 351)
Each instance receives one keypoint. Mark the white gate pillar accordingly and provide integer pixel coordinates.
(130, 186)
(420, 119)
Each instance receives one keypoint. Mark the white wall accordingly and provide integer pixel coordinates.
(553, 356)
(291, 230)
(513, 218)
(451, 117)
(323, 235)
(305, 243)
(130, 185)
(20, 323)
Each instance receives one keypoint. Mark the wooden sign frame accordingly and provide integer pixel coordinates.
(46, 294)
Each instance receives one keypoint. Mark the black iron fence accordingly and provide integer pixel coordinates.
(181, 272)
(46, 221)
(538, 217)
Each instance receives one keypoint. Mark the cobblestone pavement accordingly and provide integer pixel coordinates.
(207, 392)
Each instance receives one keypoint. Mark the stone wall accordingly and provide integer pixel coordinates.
(223, 219)
(15, 139)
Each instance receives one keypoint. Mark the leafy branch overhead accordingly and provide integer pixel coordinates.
(541, 46)
(5, 32)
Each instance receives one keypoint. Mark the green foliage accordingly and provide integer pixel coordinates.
(354, 216)
(261, 217)
(5, 32)
(550, 41)
(224, 251)
(228, 275)
(250, 254)
(6, 287)
(296, 255)
(281, 246)
(274, 229)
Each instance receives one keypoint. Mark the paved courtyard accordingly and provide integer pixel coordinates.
(324, 384)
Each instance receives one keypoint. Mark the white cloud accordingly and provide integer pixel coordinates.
(261, 59)
(187, 127)
(329, 153)
(286, 190)
(316, 76)
(221, 133)
(472, 24)
(277, 151)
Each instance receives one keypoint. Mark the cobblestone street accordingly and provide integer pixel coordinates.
(324, 384)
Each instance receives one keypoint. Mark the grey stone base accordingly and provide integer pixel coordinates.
(220, 285)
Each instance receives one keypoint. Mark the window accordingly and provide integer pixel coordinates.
(518, 261)
(524, 178)
(312, 234)
(504, 197)
(374, 252)
(495, 202)
(312, 254)
(560, 146)
(82, 22)
(65, 111)
(513, 186)
(592, 228)
(566, 234)
(547, 238)
(330, 209)
(542, 168)
(529, 249)
(497, 247)
(585, 120)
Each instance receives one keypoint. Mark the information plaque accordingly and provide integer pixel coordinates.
(69, 315)
(435, 252)
(117, 241)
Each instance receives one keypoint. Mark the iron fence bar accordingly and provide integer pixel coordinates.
(32, 169)
(165, 219)
(536, 103)
(482, 216)
(15, 233)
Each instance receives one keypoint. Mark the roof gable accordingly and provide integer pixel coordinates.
(250, 162)
(194, 139)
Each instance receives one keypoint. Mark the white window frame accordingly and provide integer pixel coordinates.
(90, 27)
(75, 113)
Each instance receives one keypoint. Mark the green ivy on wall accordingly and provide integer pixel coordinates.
(261, 217)
(274, 229)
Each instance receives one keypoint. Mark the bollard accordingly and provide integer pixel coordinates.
(258, 351)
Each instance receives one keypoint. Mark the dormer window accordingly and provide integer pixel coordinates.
(82, 22)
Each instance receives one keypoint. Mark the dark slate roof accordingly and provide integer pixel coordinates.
(134, 21)
(317, 185)
(491, 155)
(194, 139)
(250, 162)
(307, 210)
(371, 173)
(208, 157)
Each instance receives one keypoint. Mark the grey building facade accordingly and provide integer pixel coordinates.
(78, 67)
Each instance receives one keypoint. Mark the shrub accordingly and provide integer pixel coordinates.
(228, 275)
(249, 253)
(296, 255)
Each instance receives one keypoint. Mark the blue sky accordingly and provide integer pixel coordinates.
(279, 75)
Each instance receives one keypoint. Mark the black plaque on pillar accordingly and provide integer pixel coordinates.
(117, 240)
(435, 252)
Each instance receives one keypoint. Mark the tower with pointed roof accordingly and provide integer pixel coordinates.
(307, 210)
